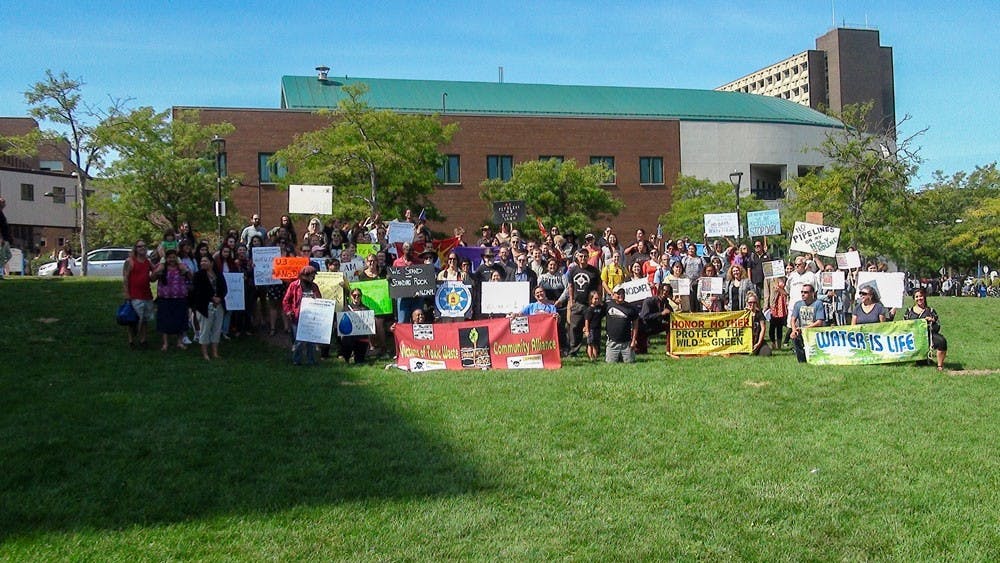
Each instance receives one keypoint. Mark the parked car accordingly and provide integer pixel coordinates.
(103, 262)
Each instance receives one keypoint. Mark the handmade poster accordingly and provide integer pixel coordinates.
(331, 286)
(15, 265)
(375, 295)
(637, 290)
(315, 200)
(288, 267)
(814, 217)
(700, 249)
(848, 260)
(366, 249)
(508, 211)
(355, 323)
(721, 224)
(818, 239)
(453, 299)
(235, 295)
(700, 334)
(399, 231)
(351, 267)
(888, 286)
(482, 344)
(763, 223)
(876, 343)
(315, 321)
(682, 286)
(263, 265)
(505, 297)
(774, 269)
(418, 280)
(831, 280)
(710, 286)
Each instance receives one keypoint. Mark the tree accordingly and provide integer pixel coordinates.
(864, 188)
(557, 192)
(376, 160)
(165, 174)
(978, 231)
(693, 198)
(57, 99)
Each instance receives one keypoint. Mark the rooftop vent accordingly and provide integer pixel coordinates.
(322, 72)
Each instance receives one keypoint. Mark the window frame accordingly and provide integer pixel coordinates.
(599, 159)
(654, 177)
(443, 175)
(503, 162)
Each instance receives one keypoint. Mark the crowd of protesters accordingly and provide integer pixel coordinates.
(579, 280)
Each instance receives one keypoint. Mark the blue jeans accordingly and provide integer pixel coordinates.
(300, 348)
(405, 307)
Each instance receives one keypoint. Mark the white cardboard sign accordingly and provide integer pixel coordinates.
(818, 239)
(721, 224)
(888, 286)
(314, 200)
(505, 297)
(637, 290)
(316, 321)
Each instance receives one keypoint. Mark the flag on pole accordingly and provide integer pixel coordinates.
(541, 227)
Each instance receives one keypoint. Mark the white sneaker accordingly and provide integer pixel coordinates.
(186, 340)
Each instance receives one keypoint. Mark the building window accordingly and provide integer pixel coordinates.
(58, 195)
(27, 192)
(269, 172)
(651, 170)
(499, 167)
(54, 165)
(451, 171)
(557, 157)
(609, 163)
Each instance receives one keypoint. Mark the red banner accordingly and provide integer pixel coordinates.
(530, 342)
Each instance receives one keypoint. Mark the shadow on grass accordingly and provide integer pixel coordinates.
(95, 436)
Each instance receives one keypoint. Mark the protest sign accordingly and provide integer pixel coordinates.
(814, 217)
(505, 297)
(366, 249)
(288, 267)
(351, 267)
(375, 295)
(818, 239)
(453, 299)
(355, 323)
(774, 269)
(848, 260)
(235, 293)
(15, 264)
(399, 231)
(317, 200)
(682, 286)
(636, 290)
(331, 286)
(831, 280)
(710, 286)
(763, 223)
(508, 211)
(700, 249)
(263, 265)
(721, 224)
(315, 321)
(484, 344)
(418, 280)
(699, 334)
(888, 286)
(876, 343)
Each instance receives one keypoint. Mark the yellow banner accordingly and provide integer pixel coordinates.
(702, 334)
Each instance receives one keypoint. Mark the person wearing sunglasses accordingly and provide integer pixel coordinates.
(870, 310)
(808, 312)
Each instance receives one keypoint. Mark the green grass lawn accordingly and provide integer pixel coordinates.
(111, 454)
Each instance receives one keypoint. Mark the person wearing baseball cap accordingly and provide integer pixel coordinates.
(622, 325)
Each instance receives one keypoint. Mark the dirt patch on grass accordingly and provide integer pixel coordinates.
(756, 384)
(973, 372)
(47, 320)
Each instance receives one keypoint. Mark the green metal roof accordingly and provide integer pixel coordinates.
(494, 98)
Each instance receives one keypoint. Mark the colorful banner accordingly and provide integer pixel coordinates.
(818, 239)
(721, 224)
(763, 223)
(700, 334)
(375, 295)
(288, 267)
(514, 343)
(877, 343)
(474, 254)
(453, 299)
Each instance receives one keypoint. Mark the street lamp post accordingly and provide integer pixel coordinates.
(219, 144)
(736, 177)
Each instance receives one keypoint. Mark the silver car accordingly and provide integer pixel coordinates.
(103, 262)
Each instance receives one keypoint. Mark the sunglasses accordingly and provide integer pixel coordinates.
(865, 293)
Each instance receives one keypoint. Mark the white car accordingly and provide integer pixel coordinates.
(103, 262)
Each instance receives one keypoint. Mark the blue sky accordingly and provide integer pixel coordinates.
(946, 55)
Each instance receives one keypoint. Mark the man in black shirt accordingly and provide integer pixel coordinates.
(622, 325)
(755, 265)
(581, 278)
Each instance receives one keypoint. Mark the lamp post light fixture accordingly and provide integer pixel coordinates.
(219, 144)
(736, 177)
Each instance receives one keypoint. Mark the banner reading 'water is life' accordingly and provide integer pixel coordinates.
(878, 343)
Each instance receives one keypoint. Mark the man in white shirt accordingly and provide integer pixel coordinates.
(799, 277)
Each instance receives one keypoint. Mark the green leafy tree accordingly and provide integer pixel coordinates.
(165, 174)
(979, 229)
(693, 198)
(864, 188)
(378, 161)
(557, 192)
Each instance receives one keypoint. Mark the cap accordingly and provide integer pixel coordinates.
(486, 227)
(488, 251)
(307, 271)
(590, 236)
(619, 289)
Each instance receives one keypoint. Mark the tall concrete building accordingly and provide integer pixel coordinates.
(848, 66)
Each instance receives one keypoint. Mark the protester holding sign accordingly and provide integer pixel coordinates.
(623, 329)
(355, 346)
(302, 288)
(808, 312)
(208, 294)
(778, 304)
(870, 310)
(920, 310)
(737, 289)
